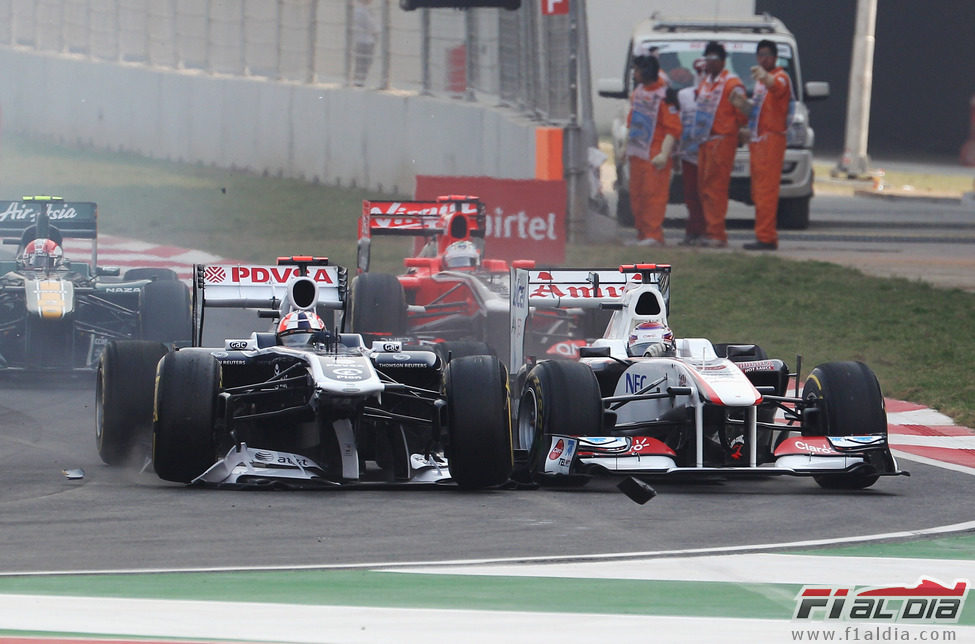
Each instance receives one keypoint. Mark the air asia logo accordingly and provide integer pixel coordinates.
(18, 212)
(557, 450)
(928, 602)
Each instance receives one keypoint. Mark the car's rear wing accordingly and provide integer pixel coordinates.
(294, 282)
(450, 218)
(551, 288)
(71, 218)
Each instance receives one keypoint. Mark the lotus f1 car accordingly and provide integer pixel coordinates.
(57, 314)
(449, 292)
(313, 408)
(685, 406)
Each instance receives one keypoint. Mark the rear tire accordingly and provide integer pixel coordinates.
(453, 349)
(165, 312)
(124, 388)
(377, 306)
(478, 421)
(558, 397)
(183, 444)
(850, 402)
(156, 274)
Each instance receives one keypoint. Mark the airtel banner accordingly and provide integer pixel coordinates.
(525, 217)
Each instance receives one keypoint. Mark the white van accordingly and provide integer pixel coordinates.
(679, 41)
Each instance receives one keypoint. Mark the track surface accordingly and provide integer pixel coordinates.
(118, 518)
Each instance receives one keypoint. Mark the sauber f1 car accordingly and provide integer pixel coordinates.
(306, 405)
(449, 291)
(640, 403)
(57, 314)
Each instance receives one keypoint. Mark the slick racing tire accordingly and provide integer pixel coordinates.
(165, 313)
(183, 444)
(478, 421)
(849, 400)
(558, 397)
(453, 349)
(124, 388)
(377, 306)
(156, 274)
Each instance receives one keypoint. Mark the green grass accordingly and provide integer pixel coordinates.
(913, 335)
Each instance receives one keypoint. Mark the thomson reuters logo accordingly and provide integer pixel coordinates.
(214, 274)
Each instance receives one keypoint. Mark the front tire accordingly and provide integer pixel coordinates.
(849, 401)
(558, 397)
(124, 388)
(478, 421)
(183, 442)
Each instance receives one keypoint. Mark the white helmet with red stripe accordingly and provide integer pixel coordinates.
(42, 254)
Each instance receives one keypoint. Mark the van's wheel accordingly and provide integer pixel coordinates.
(793, 214)
(165, 313)
(124, 388)
(478, 421)
(849, 401)
(183, 444)
(624, 211)
(558, 397)
(377, 306)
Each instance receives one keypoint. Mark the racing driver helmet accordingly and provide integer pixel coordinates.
(299, 328)
(461, 254)
(42, 254)
(650, 338)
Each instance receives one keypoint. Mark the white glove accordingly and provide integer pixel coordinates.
(761, 75)
(740, 101)
(666, 148)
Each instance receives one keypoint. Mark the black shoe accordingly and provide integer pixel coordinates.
(760, 245)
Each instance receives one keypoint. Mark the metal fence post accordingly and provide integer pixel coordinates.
(384, 66)
(311, 76)
(425, 51)
(574, 153)
(470, 52)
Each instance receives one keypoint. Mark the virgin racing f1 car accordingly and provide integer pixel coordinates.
(57, 314)
(449, 291)
(685, 406)
(313, 408)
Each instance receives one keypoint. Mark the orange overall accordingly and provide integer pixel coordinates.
(767, 151)
(716, 154)
(650, 119)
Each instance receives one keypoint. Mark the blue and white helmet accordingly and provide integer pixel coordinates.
(298, 328)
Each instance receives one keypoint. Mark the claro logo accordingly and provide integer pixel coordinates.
(815, 449)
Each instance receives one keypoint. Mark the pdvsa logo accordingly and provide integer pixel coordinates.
(928, 602)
